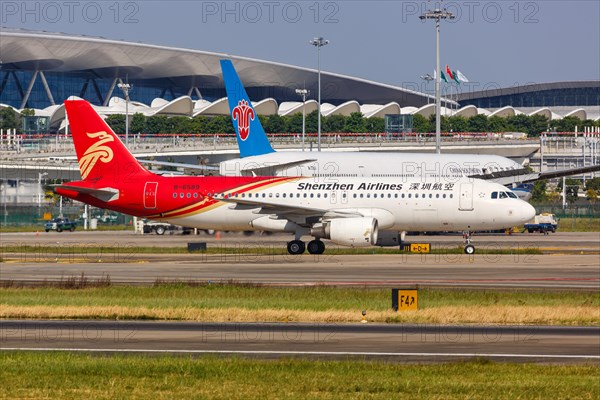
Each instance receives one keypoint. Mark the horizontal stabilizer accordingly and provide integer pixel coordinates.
(103, 194)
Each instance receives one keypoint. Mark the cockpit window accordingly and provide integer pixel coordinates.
(494, 195)
(503, 195)
(512, 195)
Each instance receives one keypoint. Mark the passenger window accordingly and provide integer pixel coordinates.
(430, 195)
(189, 196)
(195, 195)
(174, 195)
(409, 195)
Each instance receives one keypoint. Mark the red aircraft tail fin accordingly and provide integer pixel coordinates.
(100, 152)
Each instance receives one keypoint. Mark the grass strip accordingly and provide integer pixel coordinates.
(84, 376)
(245, 303)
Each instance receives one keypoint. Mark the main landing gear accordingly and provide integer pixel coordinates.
(469, 248)
(298, 247)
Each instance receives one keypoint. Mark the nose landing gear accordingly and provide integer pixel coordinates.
(469, 248)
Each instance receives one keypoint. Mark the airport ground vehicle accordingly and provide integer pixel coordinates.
(542, 223)
(60, 224)
(160, 228)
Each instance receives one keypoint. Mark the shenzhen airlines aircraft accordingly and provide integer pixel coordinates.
(348, 211)
(259, 158)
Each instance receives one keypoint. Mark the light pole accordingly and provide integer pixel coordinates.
(125, 87)
(318, 43)
(437, 15)
(40, 190)
(427, 78)
(303, 93)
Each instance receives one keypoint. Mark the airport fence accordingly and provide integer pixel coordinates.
(34, 216)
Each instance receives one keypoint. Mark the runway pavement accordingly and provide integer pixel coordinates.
(406, 343)
(565, 270)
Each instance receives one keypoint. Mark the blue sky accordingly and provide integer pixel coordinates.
(494, 43)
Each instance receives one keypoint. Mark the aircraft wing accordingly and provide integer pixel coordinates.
(272, 170)
(194, 167)
(294, 213)
(525, 176)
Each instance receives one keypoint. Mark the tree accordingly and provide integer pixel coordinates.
(593, 183)
(458, 123)
(375, 125)
(592, 196)
(571, 190)
(478, 123)
(157, 124)
(274, 124)
(334, 123)
(117, 123)
(567, 124)
(312, 122)
(294, 123)
(220, 124)
(538, 193)
(497, 124)
(355, 123)
(137, 124)
(421, 124)
(28, 112)
(8, 118)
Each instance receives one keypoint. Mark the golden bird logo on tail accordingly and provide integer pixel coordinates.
(97, 151)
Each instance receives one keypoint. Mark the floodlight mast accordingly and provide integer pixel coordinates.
(318, 43)
(437, 15)
(303, 93)
(125, 87)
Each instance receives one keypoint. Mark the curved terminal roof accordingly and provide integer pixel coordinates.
(105, 58)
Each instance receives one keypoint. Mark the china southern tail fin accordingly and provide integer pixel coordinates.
(250, 134)
(101, 154)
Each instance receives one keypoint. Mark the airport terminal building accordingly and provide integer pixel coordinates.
(40, 70)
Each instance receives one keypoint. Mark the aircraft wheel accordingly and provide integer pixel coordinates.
(296, 247)
(316, 247)
(469, 249)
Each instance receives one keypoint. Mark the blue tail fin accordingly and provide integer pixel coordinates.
(250, 134)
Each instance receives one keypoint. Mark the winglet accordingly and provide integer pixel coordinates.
(250, 134)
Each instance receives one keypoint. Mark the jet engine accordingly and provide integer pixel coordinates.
(354, 232)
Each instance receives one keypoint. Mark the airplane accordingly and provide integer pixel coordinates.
(259, 158)
(352, 211)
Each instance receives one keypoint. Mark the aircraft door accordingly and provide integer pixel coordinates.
(150, 190)
(466, 197)
(361, 170)
(333, 197)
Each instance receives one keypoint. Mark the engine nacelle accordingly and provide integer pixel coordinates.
(388, 239)
(354, 232)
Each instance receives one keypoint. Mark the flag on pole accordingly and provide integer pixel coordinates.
(443, 77)
(461, 77)
(449, 72)
(455, 75)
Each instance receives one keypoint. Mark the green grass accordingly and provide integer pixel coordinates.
(579, 225)
(317, 298)
(82, 376)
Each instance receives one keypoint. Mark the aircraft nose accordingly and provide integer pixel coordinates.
(527, 211)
